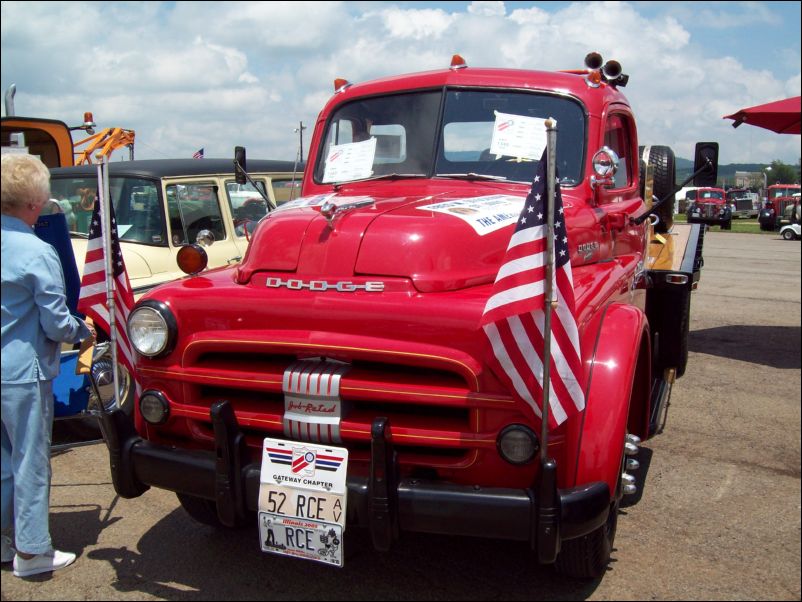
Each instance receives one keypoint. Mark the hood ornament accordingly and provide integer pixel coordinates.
(331, 210)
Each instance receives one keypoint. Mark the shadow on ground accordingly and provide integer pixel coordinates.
(178, 559)
(773, 346)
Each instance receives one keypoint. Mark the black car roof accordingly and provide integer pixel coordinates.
(162, 168)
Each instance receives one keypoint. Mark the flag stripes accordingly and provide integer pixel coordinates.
(514, 316)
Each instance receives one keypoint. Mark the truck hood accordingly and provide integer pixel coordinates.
(440, 242)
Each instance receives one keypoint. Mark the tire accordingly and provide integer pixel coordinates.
(661, 158)
(200, 509)
(587, 557)
(205, 512)
(89, 427)
(789, 234)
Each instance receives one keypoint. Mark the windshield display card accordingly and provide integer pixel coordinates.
(518, 136)
(354, 161)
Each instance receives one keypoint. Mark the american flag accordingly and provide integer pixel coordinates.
(92, 300)
(514, 317)
(198, 154)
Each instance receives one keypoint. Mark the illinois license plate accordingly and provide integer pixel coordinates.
(302, 500)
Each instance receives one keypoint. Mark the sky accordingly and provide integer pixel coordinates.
(214, 75)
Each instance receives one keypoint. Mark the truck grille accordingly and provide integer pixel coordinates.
(437, 418)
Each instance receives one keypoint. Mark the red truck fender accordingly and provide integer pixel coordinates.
(619, 378)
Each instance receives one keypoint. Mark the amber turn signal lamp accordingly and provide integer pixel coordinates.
(192, 259)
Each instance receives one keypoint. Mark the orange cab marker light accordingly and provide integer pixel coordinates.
(457, 62)
(340, 84)
(594, 78)
(192, 259)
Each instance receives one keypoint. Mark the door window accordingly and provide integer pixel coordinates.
(617, 137)
(193, 207)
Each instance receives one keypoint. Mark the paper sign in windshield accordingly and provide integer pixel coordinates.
(518, 136)
(485, 214)
(354, 161)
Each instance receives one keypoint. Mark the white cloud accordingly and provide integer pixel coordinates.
(487, 8)
(192, 74)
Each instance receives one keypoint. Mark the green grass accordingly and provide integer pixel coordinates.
(744, 226)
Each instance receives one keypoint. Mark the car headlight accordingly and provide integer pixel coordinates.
(152, 329)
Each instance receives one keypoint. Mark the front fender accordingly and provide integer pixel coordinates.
(622, 341)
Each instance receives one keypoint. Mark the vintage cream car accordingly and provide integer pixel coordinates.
(161, 205)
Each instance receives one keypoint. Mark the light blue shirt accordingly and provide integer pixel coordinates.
(35, 318)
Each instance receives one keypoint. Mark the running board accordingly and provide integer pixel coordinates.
(660, 400)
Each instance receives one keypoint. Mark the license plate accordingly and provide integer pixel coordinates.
(302, 500)
(301, 538)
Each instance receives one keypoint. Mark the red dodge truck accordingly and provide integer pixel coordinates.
(338, 377)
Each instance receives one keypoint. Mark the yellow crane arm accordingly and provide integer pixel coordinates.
(104, 142)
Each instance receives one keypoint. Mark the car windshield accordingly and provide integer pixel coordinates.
(423, 134)
(711, 194)
(137, 208)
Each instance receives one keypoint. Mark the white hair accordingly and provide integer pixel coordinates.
(25, 180)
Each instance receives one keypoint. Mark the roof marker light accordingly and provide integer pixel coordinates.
(594, 79)
(457, 62)
(340, 85)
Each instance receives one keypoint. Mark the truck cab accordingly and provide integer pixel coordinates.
(343, 357)
(778, 198)
(711, 208)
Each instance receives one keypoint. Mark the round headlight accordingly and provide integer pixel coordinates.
(517, 444)
(149, 331)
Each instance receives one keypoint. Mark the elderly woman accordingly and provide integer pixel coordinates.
(35, 321)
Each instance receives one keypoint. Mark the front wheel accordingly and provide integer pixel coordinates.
(103, 373)
(788, 234)
(587, 557)
(205, 512)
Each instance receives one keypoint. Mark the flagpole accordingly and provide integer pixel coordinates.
(105, 205)
(549, 301)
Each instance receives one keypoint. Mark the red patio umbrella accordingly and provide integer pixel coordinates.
(781, 116)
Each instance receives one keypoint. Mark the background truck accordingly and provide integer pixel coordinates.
(338, 377)
(743, 203)
(778, 198)
(710, 208)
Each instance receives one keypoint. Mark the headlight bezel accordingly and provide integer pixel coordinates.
(162, 311)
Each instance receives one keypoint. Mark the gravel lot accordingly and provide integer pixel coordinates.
(718, 517)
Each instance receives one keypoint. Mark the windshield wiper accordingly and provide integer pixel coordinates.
(385, 176)
(470, 176)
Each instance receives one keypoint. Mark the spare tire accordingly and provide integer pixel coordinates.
(661, 158)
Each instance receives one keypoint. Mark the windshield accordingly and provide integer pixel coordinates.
(710, 194)
(783, 191)
(137, 208)
(422, 134)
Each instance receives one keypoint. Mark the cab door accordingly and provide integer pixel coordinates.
(620, 199)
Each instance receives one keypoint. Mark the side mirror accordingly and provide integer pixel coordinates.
(240, 166)
(706, 160)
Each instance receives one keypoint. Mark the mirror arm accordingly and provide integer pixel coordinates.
(642, 217)
(252, 183)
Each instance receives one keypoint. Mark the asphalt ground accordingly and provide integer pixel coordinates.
(717, 514)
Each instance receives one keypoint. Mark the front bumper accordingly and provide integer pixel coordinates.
(710, 221)
(543, 515)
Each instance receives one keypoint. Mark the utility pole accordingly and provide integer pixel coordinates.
(300, 131)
